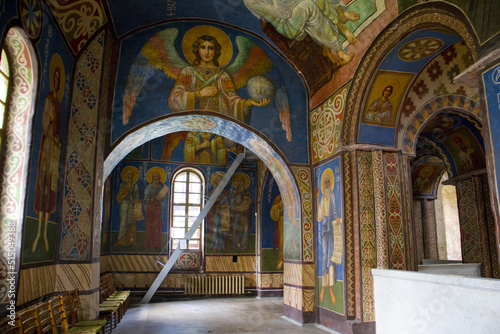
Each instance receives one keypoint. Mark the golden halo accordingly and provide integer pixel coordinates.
(389, 82)
(194, 33)
(465, 140)
(133, 170)
(151, 171)
(56, 62)
(216, 178)
(327, 172)
(241, 175)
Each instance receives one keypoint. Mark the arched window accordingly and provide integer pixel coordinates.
(187, 202)
(4, 86)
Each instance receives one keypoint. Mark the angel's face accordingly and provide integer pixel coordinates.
(207, 51)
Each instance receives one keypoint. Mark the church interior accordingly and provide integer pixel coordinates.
(306, 150)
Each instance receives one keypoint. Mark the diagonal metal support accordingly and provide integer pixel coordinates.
(177, 253)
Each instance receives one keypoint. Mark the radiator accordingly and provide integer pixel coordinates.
(214, 285)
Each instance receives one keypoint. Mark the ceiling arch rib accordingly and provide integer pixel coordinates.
(435, 106)
(186, 121)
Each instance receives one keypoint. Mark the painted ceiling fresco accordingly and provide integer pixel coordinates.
(334, 36)
(426, 173)
(450, 143)
(158, 70)
(419, 67)
(403, 70)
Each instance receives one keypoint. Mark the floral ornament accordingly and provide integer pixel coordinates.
(434, 71)
(449, 54)
(31, 17)
(460, 91)
(408, 107)
(453, 72)
(419, 48)
(441, 90)
(467, 59)
(421, 89)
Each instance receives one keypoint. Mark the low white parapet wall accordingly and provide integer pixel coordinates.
(408, 302)
(461, 269)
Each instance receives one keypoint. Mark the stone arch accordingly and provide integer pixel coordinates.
(433, 15)
(223, 126)
(439, 104)
(16, 146)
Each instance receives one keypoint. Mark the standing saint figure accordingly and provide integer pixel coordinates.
(207, 86)
(50, 151)
(241, 212)
(331, 244)
(128, 198)
(154, 205)
(219, 217)
(380, 110)
(277, 212)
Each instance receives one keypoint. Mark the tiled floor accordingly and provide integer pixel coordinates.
(217, 315)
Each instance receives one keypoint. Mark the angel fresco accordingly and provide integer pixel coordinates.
(206, 81)
(323, 20)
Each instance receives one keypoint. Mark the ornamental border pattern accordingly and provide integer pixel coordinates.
(78, 20)
(408, 222)
(465, 104)
(303, 176)
(357, 236)
(368, 241)
(468, 222)
(326, 125)
(76, 235)
(16, 150)
(486, 270)
(396, 229)
(381, 227)
(349, 238)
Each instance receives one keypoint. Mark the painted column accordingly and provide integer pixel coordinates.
(380, 212)
(80, 236)
(394, 196)
(408, 222)
(419, 233)
(368, 231)
(490, 221)
(429, 229)
(299, 274)
(474, 228)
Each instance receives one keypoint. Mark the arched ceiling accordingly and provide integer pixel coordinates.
(449, 142)
(416, 48)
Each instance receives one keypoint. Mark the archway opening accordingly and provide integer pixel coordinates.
(182, 136)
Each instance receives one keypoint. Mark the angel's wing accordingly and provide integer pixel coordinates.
(252, 61)
(158, 53)
(281, 101)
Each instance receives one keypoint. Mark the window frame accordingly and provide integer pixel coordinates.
(187, 222)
